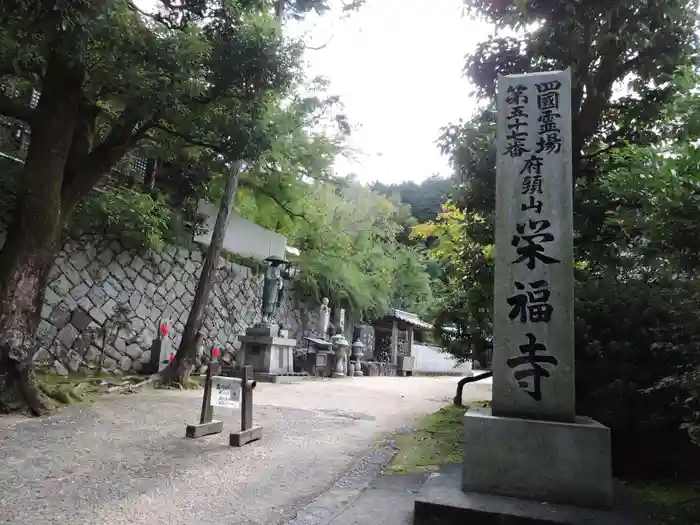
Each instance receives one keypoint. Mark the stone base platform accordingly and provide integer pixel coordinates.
(420, 373)
(563, 463)
(263, 377)
(204, 429)
(278, 378)
(275, 378)
(238, 439)
(441, 501)
(376, 368)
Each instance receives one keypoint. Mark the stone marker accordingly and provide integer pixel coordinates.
(533, 354)
(531, 445)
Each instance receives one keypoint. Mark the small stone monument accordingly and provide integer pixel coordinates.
(324, 317)
(340, 320)
(161, 347)
(358, 350)
(269, 352)
(531, 445)
(340, 347)
(365, 334)
(318, 357)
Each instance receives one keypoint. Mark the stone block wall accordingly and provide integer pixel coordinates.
(95, 280)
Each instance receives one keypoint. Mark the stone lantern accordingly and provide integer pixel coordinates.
(358, 350)
(340, 348)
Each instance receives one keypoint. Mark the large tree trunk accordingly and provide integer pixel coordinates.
(29, 250)
(178, 371)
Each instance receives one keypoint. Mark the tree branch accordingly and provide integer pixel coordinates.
(83, 137)
(156, 17)
(24, 70)
(125, 134)
(275, 199)
(635, 62)
(603, 150)
(321, 46)
(13, 108)
(191, 140)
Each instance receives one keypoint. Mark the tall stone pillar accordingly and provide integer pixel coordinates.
(532, 445)
(394, 344)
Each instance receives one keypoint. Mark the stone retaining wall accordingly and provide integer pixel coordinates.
(94, 280)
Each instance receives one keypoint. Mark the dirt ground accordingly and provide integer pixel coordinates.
(125, 460)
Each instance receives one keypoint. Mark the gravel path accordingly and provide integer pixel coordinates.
(124, 460)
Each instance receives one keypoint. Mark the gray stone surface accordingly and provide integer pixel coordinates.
(534, 210)
(567, 463)
(442, 502)
(80, 320)
(91, 278)
(60, 369)
(67, 335)
(108, 363)
(125, 460)
(125, 364)
(388, 501)
(60, 316)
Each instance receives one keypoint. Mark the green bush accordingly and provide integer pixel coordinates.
(130, 215)
(9, 180)
(636, 344)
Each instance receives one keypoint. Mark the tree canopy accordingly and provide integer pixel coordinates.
(424, 198)
(347, 235)
(634, 97)
(188, 80)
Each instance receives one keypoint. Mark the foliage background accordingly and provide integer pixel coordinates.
(635, 103)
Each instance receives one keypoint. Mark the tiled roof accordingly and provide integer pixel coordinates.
(409, 318)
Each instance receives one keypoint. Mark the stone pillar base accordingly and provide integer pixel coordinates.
(567, 463)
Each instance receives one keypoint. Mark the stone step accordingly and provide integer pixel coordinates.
(441, 501)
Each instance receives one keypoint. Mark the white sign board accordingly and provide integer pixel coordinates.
(225, 392)
(242, 237)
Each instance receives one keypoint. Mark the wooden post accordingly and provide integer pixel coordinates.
(207, 425)
(246, 400)
(207, 409)
(248, 432)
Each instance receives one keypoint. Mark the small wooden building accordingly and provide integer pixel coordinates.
(397, 320)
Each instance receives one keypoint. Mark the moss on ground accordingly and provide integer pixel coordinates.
(673, 502)
(436, 441)
(73, 388)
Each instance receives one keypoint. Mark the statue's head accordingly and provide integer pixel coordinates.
(324, 301)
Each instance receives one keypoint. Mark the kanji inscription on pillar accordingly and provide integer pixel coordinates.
(533, 358)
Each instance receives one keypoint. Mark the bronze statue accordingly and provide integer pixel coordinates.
(272, 289)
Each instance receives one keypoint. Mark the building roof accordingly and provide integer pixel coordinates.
(404, 320)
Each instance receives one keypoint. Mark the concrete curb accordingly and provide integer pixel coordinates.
(345, 490)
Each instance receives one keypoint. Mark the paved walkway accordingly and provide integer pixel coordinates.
(124, 460)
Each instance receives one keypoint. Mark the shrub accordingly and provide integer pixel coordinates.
(636, 344)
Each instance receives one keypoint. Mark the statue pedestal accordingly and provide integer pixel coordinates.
(319, 357)
(266, 353)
